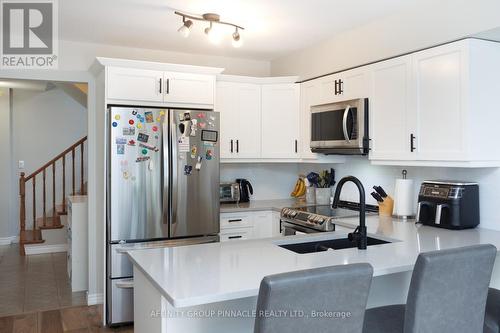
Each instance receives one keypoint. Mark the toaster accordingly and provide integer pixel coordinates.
(448, 204)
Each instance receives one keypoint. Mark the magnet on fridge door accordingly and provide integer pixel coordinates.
(154, 128)
(209, 154)
(142, 145)
(131, 143)
(129, 131)
(143, 137)
(202, 125)
(194, 122)
(139, 125)
(125, 174)
(194, 150)
(198, 163)
(151, 166)
(158, 119)
(188, 169)
(181, 117)
(142, 159)
(201, 115)
(187, 116)
(144, 151)
(212, 118)
(117, 117)
(141, 119)
(131, 121)
(134, 112)
(162, 112)
(149, 116)
(211, 124)
(121, 141)
(114, 124)
(120, 149)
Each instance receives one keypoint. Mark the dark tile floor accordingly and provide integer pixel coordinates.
(75, 319)
(34, 283)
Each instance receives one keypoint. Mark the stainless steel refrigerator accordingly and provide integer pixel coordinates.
(163, 180)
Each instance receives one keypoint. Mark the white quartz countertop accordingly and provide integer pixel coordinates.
(260, 205)
(200, 274)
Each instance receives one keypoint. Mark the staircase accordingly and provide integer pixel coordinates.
(49, 218)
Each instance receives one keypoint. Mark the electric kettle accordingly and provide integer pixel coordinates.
(245, 189)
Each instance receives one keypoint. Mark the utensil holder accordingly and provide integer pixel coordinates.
(310, 195)
(323, 195)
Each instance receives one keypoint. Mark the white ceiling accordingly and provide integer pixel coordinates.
(272, 27)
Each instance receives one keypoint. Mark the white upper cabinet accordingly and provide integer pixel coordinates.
(437, 107)
(345, 85)
(440, 78)
(188, 88)
(240, 107)
(390, 115)
(143, 83)
(309, 95)
(280, 120)
(134, 84)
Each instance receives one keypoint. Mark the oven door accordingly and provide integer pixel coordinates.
(290, 229)
(339, 126)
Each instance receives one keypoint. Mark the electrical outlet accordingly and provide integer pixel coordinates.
(21, 164)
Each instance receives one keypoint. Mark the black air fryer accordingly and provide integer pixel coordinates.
(448, 204)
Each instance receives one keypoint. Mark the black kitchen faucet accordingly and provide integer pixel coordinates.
(359, 234)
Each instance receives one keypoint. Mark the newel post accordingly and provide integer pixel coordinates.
(22, 205)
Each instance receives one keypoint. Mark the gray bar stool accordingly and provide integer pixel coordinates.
(492, 317)
(447, 294)
(327, 299)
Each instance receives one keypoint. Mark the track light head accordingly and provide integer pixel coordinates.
(184, 30)
(237, 40)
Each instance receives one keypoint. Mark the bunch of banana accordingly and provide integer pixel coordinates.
(300, 188)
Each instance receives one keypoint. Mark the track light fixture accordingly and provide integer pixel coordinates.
(211, 31)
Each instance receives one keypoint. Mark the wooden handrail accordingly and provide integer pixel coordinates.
(46, 165)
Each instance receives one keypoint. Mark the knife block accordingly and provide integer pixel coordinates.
(385, 208)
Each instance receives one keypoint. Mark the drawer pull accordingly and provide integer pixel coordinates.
(128, 284)
(234, 237)
(235, 220)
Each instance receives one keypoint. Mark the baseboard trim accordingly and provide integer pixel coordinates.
(41, 249)
(93, 299)
(9, 240)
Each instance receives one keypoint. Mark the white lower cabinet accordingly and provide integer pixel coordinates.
(77, 263)
(248, 225)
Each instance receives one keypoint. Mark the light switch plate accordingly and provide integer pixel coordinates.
(21, 164)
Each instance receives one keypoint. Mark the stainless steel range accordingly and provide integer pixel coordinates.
(319, 218)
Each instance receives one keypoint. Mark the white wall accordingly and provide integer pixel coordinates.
(429, 23)
(5, 168)
(43, 125)
(269, 181)
(79, 56)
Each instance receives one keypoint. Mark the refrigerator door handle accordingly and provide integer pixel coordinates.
(166, 175)
(173, 184)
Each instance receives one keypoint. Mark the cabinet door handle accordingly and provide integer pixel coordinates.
(234, 237)
(168, 86)
(296, 146)
(161, 80)
(237, 146)
(234, 220)
(341, 89)
(336, 84)
(231, 146)
(412, 142)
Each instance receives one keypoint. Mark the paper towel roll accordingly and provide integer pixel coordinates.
(403, 198)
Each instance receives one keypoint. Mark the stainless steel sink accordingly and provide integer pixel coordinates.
(335, 244)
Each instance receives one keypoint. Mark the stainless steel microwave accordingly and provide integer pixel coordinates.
(340, 128)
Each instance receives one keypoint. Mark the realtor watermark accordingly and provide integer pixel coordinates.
(290, 314)
(29, 32)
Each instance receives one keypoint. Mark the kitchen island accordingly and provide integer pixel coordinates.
(213, 287)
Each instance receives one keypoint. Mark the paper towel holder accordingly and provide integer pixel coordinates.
(404, 173)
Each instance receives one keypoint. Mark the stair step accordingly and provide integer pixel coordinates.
(60, 210)
(51, 222)
(30, 237)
